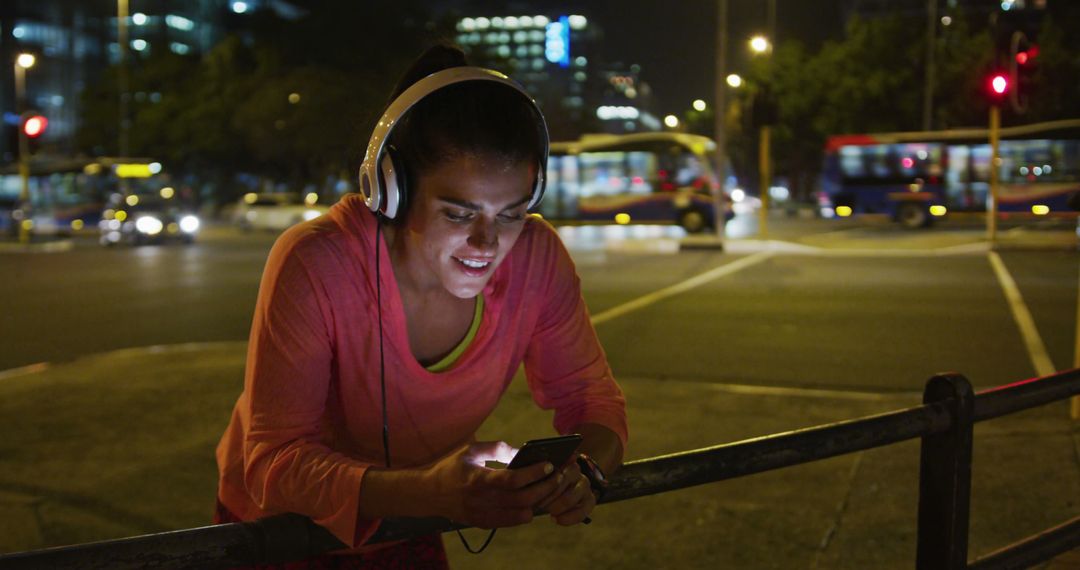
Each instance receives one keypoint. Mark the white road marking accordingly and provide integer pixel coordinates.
(784, 391)
(1040, 359)
(682, 287)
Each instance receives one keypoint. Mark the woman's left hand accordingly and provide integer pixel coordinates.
(573, 500)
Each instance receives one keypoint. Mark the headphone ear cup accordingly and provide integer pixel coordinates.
(394, 184)
(538, 189)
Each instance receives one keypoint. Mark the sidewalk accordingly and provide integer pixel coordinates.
(122, 443)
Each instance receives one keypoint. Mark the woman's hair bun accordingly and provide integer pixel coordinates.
(435, 58)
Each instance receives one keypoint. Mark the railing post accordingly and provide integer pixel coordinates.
(945, 478)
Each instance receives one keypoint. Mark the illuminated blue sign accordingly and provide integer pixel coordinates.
(557, 42)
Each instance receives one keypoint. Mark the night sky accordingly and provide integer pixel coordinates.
(674, 40)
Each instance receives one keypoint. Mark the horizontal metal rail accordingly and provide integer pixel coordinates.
(1034, 549)
(289, 537)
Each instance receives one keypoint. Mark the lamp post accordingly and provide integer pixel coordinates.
(719, 201)
(23, 62)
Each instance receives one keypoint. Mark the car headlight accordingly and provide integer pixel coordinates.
(149, 225)
(189, 224)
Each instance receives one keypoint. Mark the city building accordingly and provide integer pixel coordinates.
(74, 42)
(557, 58)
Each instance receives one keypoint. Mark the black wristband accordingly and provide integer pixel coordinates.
(591, 470)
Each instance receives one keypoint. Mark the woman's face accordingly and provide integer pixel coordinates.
(464, 217)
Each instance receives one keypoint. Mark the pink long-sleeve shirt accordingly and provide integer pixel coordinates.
(309, 421)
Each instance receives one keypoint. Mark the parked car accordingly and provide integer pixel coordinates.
(276, 211)
(146, 218)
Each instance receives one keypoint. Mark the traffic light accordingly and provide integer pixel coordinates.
(998, 86)
(34, 125)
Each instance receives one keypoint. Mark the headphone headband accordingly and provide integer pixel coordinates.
(379, 171)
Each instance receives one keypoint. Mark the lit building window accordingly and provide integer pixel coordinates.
(179, 22)
(139, 19)
(482, 23)
(537, 35)
(578, 22)
(540, 21)
(504, 51)
(179, 48)
(18, 31)
(580, 61)
(239, 7)
(525, 21)
(521, 37)
(139, 45)
(497, 23)
(510, 23)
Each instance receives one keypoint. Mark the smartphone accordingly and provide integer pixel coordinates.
(554, 450)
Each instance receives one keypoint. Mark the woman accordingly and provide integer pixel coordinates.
(382, 340)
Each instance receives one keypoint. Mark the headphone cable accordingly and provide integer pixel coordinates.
(382, 361)
(382, 376)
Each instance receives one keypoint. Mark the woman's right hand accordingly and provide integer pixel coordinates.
(465, 491)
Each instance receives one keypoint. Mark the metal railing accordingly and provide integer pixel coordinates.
(944, 421)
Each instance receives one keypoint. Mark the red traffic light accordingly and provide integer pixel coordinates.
(1022, 57)
(999, 84)
(35, 125)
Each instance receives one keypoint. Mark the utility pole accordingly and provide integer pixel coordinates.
(995, 160)
(928, 87)
(719, 115)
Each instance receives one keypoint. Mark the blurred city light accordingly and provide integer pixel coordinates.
(999, 84)
(250, 198)
(76, 225)
(167, 192)
(239, 7)
(132, 200)
(622, 218)
(311, 198)
(294, 98)
(738, 195)
(759, 44)
(138, 18)
(671, 121)
(189, 224)
(25, 60)
(938, 210)
(734, 80)
(843, 211)
(1040, 210)
(34, 126)
(946, 21)
(699, 105)
(149, 225)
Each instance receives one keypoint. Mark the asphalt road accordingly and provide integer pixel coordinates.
(881, 319)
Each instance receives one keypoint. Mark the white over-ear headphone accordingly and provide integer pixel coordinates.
(382, 174)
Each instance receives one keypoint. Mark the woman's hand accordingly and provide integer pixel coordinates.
(572, 500)
(465, 491)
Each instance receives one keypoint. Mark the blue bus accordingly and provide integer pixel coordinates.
(67, 194)
(641, 178)
(915, 177)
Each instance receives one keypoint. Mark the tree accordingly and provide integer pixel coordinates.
(294, 102)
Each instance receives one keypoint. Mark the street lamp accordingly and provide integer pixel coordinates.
(671, 121)
(759, 44)
(23, 62)
(699, 105)
(735, 80)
